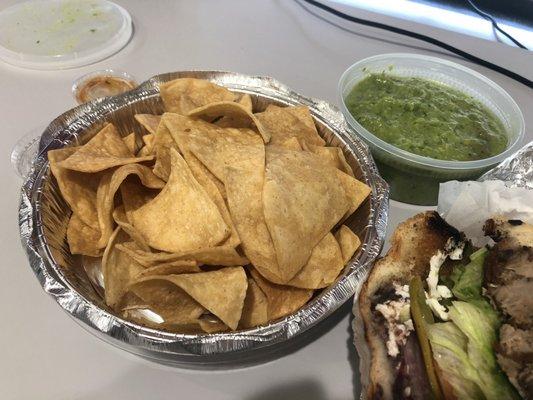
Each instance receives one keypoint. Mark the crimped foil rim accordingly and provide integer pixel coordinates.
(151, 342)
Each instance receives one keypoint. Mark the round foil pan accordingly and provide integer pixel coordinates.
(43, 217)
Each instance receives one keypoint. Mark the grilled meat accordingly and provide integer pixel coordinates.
(509, 282)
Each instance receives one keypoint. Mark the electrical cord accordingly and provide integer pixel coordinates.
(428, 39)
(495, 24)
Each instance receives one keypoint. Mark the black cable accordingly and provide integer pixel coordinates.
(495, 24)
(339, 25)
(464, 54)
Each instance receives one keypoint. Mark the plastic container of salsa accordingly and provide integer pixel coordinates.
(414, 178)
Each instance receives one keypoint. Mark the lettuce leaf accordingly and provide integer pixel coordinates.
(449, 346)
(479, 328)
(469, 278)
(463, 349)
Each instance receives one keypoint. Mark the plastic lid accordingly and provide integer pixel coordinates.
(58, 34)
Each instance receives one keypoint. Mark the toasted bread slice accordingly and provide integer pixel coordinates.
(412, 245)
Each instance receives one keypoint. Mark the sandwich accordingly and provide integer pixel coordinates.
(440, 319)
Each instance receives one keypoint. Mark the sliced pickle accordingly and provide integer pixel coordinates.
(422, 316)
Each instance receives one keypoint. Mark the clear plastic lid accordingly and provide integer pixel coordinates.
(58, 34)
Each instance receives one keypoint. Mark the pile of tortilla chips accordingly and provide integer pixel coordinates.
(211, 217)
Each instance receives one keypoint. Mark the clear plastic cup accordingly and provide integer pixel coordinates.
(24, 152)
(413, 178)
(93, 85)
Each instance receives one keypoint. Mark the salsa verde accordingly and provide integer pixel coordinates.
(426, 118)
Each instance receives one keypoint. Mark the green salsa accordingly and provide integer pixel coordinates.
(426, 118)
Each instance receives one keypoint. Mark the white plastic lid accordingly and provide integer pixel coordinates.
(58, 34)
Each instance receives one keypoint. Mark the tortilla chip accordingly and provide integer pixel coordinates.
(192, 223)
(148, 147)
(167, 300)
(236, 156)
(323, 266)
(356, 192)
(219, 255)
(349, 242)
(238, 115)
(134, 196)
(162, 144)
(211, 324)
(109, 185)
(245, 203)
(255, 309)
(82, 238)
(131, 142)
(170, 268)
(222, 292)
(210, 182)
(180, 127)
(224, 255)
(246, 102)
(229, 122)
(282, 300)
(144, 151)
(133, 249)
(149, 139)
(105, 150)
(119, 216)
(150, 122)
(131, 301)
(77, 188)
(185, 94)
(303, 199)
(283, 123)
(118, 269)
(220, 148)
(332, 156)
(291, 144)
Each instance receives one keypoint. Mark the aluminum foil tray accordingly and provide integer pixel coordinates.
(43, 217)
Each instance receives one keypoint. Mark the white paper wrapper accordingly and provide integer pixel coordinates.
(467, 205)
(504, 191)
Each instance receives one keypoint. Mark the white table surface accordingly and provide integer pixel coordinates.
(45, 354)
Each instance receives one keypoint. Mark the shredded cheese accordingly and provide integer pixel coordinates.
(438, 309)
(436, 292)
(398, 330)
